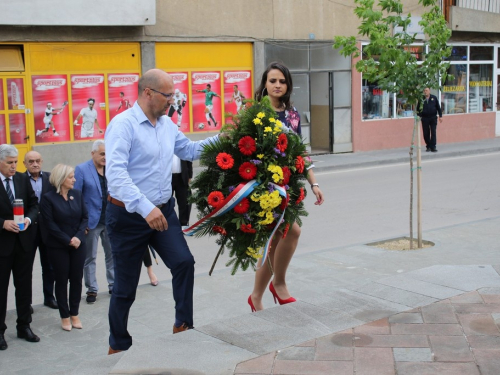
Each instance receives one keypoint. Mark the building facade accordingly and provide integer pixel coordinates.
(90, 52)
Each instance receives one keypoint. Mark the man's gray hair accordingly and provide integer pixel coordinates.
(97, 144)
(8, 151)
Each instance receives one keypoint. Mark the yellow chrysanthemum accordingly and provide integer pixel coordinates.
(257, 121)
(260, 156)
(272, 120)
(255, 197)
(277, 172)
(268, 129)
(254, 253)
(261, 115)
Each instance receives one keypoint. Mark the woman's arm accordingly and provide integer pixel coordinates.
(315, 187)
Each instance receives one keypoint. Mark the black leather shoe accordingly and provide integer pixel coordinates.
(27, 334)
(3, 343)
(51, 303)
(434, 150)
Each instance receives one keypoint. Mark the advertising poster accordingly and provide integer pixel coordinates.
(122, 92)
(237, 87)
(89, 106)
(50, 110)
(206, 101)
(17, 125)
(3, 133)
(2, 106)
(179, 111)
(15, 93)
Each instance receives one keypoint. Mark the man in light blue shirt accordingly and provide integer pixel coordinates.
(140, 144)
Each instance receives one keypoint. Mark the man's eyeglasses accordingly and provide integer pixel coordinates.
(168, 96)
(38, 161)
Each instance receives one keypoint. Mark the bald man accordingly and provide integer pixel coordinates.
(140, 144)
(40, 182)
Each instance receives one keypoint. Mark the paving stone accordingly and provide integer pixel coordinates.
(479, 324)
(491, 298)
(412, 354)
(313, 368)
(466, 278)
(391, 341)
(308, 343)
(471, 297)
(369, 361)
(335, 347)
(260, 365)
(483, 342)
(296, 353)
(439, 313)
(395, 295)
(406, 318)
(420, 287)
(476, 308)
(426, 329)
(488, 361)
(451, 349)
(489, 291)
(378, 327)
(435, 368)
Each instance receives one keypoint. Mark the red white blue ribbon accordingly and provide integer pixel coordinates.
(241, 191)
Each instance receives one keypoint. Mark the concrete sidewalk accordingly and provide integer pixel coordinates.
(384, 307)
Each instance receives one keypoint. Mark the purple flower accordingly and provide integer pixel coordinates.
(255, 161)
(276, 156)
(283, 154)
(277, 150)
(275, 215)
(287, 187)
(231, 188)
(247, 217)
(270, 188)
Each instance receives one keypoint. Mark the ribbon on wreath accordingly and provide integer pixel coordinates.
(243, 190)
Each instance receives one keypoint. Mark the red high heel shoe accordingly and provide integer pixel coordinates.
(251, 303)
(275, 296)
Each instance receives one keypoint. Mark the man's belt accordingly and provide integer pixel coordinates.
(118, 203)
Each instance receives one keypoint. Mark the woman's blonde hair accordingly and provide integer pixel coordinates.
(59, 174)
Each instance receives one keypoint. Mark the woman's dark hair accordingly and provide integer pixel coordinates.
(262, 91)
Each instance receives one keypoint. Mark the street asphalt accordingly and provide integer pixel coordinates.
(340, 291)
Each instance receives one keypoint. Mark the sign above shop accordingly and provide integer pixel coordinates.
(78, 13)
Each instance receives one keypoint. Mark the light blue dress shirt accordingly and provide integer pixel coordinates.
(36, 185)
(139, 158)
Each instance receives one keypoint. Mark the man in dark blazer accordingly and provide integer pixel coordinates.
(182, 173)
(40, 182)
(17, 245)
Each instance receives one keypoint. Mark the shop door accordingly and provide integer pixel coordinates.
(13, 129)
(497, 127)
(321, 111)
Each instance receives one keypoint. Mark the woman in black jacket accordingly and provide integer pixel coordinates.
(64, 222)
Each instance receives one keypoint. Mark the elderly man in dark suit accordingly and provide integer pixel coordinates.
(40, 182)
(16, 244)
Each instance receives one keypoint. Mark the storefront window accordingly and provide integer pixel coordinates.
(453, 96)
(377, 103)
(481, 53)
(458, 53)
(481, 88)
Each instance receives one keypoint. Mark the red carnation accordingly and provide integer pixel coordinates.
(282, 142)
(247, 228)
(285, 231)
(301, 196)
(284, 202)
(248, 170)
(247, 145)
(299, 164)
(218, 229)
(215, 199)
(286, 175)
(225, 161)
(242, 207)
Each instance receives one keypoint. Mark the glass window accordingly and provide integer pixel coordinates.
(458, 53)
(342, 89)
(416, 51)
(481, 53)
(481, 88)
(324, 57)
(453, 96)
(377, 103)
(300, 95)
(294, 55)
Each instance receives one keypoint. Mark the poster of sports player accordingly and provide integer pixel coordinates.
(2, 106)
(15, 93)
(179, 110)
(122, 92)
(207, 105)
(50, 100)
(17, 126)
(89, 106)
(3, 133)
(237, 87)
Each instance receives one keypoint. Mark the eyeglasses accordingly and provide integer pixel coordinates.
(38, 161)
(168, 96)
